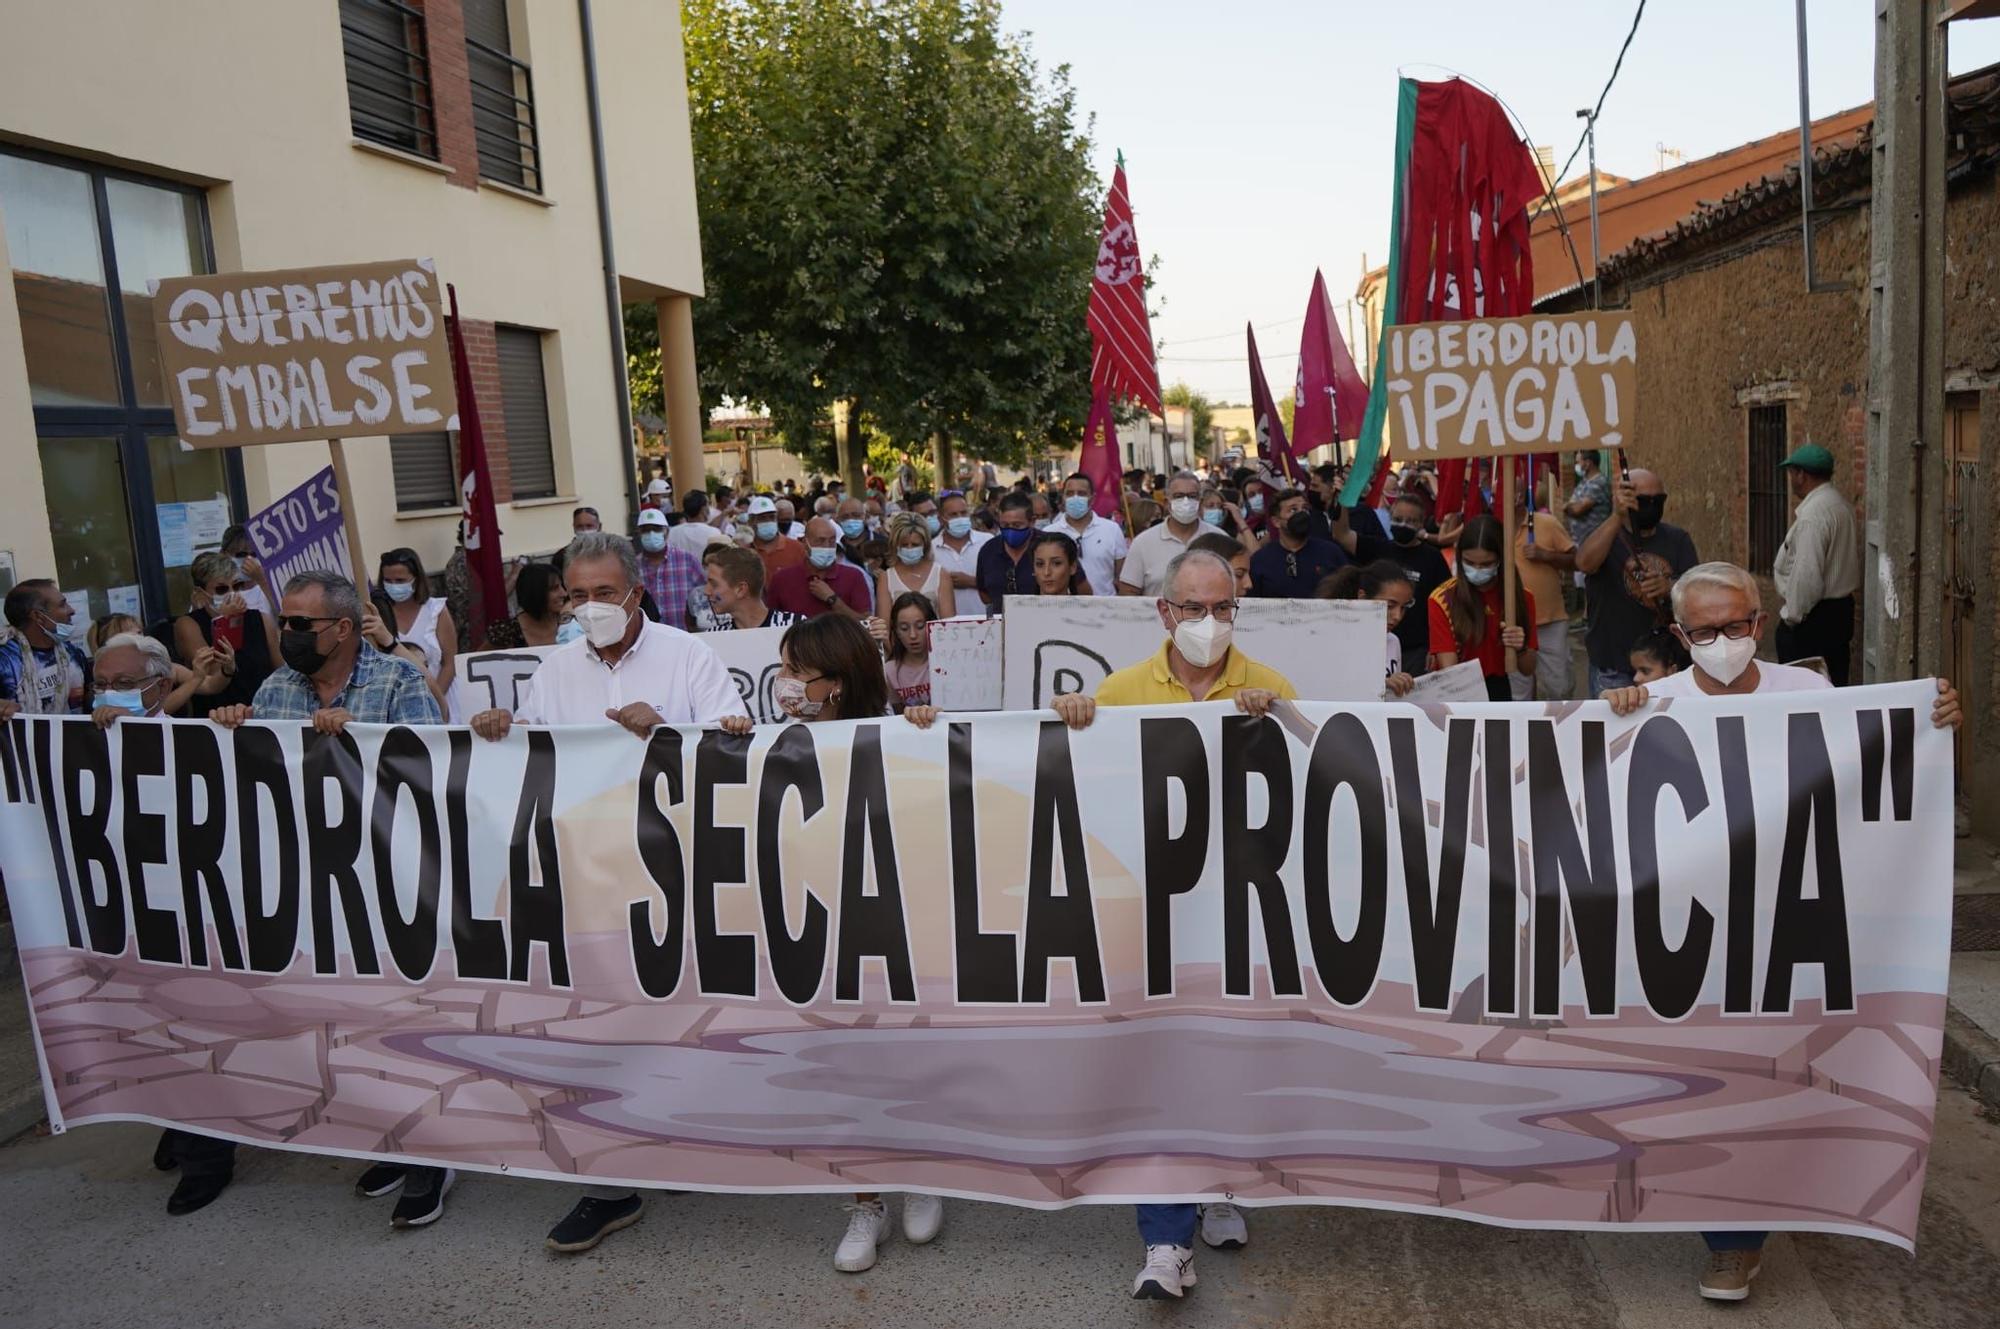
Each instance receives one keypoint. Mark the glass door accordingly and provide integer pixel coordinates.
(128, 504)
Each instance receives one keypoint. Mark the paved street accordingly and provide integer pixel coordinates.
(88, 1243)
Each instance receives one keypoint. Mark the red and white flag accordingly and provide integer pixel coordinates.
(1330, 398)
(1272, 447)
(1122, 365)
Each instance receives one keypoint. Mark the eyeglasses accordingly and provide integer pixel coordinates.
(123, 684)
(1225, 612)
(1735, 631)
(302, 622)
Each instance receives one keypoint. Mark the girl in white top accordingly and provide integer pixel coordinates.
(422, 619)
(1389, 582)
(913, 566)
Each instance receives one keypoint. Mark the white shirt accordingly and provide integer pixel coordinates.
(964, 560)
(694, 537)
(676, 673)
(1147, 557)
(1770, 678)
(1102, 545)
(1819, 559)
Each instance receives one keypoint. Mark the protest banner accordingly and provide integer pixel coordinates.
(965, 662)
(1331, 650)
(267, 357)
(1495, 386)
(302, 531)
(1183, 953)
(486, 679)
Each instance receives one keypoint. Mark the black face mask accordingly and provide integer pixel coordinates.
(1299, 525)
(1403, 533)
(1648, 510)
(301, 650)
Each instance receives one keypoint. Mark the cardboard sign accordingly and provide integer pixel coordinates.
(1491, 386)
(965, 664)
(303, 531)
(1464, 681)
(266, 357)
(1330, 650)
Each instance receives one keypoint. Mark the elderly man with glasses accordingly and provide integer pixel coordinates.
(1719, 616)
(1198, 661)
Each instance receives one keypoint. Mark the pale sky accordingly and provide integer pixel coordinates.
(1258, 133)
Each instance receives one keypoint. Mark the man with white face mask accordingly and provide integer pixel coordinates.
(1198, 662)
(1154, 550)
(1719, 616)
(636, 673)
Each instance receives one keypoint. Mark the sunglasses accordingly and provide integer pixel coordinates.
(302, 622)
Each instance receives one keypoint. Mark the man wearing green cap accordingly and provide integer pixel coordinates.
(1818, 568)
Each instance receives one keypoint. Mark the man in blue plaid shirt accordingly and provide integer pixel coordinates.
(331, 678)
(671, 576)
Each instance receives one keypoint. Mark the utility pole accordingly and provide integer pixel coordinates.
(1902, 575)
(1589, 119)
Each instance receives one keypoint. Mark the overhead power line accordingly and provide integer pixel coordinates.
(1616, 65)
(1219, 336)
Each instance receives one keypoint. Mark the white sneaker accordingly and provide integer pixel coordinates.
(865, 1231)
(1169, 1271)
(1223, 1228)
(923, 1215)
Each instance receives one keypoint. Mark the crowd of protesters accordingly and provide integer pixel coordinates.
(855, 579)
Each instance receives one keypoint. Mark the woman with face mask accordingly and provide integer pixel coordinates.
(543, 618)
(911, 564)
(1466, 612)
(418, 616)
(246, 638)
(829, 669)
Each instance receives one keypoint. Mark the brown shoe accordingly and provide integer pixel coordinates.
(1729, 1274)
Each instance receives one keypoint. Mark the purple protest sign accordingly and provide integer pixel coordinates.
(302, 531)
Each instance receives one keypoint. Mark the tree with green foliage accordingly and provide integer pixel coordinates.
(896, 210)
(1202, 414)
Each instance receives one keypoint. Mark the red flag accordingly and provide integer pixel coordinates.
(1098, 460)
(1330, 396)
(481, 535)
(1271, 443)
(1122, 367)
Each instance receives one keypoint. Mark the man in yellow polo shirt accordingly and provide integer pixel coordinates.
(1197, 662)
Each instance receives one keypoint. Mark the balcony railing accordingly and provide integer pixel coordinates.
(388, 75)
(503, 117)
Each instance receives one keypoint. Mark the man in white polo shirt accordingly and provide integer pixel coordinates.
(1145, 568)
(956, 548)
(1099, 538)
(639, 674)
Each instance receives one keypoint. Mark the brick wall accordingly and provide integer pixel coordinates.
(451, 91)
(483, 359)
(1740, 318)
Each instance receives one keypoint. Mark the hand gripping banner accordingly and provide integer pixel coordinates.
(1180, 954)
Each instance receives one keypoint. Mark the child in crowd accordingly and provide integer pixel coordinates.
(1658, 654)
(111, 625)
(1389, 582)
(829, 669)
(1467, 616)
(908, 666)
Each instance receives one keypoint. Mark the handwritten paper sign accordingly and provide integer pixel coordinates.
(1464, 681)
(965, 664)
(1492, 386)
(330, 352)
(302, 531)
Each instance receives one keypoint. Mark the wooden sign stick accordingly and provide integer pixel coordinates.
(348, 516)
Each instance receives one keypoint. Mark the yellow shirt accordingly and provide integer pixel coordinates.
(1151, 682)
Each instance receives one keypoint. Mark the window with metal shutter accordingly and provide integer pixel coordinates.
(423, 471)
(388, 74)
(503, 98)
(525, 399)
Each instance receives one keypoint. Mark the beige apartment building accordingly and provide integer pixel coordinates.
(144, 139)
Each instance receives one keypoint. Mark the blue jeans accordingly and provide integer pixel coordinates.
(1735, 1241)
(1166, 1224)
(1602, 680)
